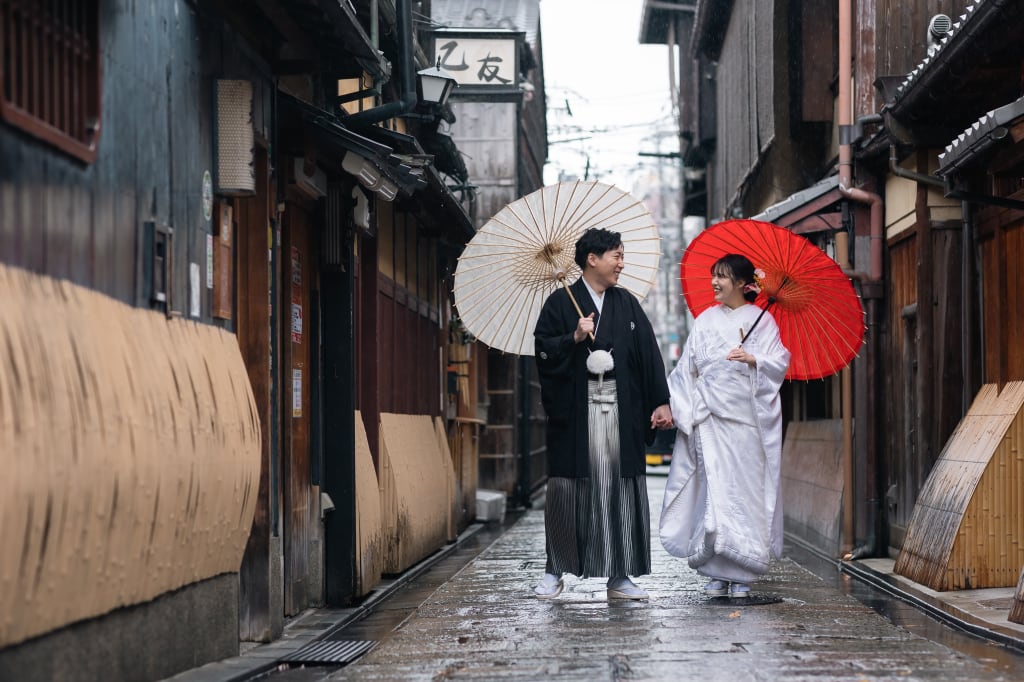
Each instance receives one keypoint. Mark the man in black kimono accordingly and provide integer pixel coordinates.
(600, 417)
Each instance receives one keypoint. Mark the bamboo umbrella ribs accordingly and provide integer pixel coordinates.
(522, 254)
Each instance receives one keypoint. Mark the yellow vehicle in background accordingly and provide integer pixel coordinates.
(659, 453)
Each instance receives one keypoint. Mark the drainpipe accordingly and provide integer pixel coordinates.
(902, 172)
(949, 191)
(407, 73)
(874, 276)
(967, 246)
(375, 24)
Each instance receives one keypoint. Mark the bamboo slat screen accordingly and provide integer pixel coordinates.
(129, 452)
(454, 483)
(416, 489)
(968, 523)
(369, 535)
(50, 72)
(1017, 610)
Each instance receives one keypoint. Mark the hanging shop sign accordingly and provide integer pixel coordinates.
(482, 62)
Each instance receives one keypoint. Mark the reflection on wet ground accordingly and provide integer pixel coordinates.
(908, 617)
(470, 614)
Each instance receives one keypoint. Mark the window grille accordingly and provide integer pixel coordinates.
(50, 72)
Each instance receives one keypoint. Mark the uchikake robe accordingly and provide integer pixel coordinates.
(561, 365)
(722, 510)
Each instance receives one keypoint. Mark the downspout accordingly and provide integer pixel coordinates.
(375, 24)
(902, 172)
(965, 307)
(407, 73)
(947, 190)
(874, 276)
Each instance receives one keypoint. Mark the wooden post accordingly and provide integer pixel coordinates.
(258, 619)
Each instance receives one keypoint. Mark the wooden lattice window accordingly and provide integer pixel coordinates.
(50, 71)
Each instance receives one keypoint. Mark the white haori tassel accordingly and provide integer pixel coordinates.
(599, 362)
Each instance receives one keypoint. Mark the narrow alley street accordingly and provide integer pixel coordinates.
(483, 623)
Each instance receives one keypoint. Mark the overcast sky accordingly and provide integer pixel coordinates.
(617, 90)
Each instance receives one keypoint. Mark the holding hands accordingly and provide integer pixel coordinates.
(661, 418)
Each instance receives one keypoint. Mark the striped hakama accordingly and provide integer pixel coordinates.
(599, 526)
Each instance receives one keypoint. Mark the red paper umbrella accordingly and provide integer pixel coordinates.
(820, 317)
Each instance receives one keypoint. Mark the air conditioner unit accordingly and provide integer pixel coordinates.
(314, 186)
(236, 174)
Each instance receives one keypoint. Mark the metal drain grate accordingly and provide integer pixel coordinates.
(329, 652)
(752, 600)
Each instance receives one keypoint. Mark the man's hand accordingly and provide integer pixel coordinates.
(584, 328)
(661, 418)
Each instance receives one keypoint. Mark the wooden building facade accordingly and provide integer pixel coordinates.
(250, 283)
(931, 205)
(152, 466)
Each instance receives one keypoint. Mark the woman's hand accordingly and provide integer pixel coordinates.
(584, 328)
(661, 418)
(737, 354)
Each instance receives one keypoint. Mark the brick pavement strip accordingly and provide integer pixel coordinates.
(484, 623)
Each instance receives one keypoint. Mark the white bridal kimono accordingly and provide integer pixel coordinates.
(722, 510)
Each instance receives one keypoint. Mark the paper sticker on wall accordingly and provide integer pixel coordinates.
(209, 261)
(296, 323)
(296, 392)
(296, 267)
(207, 195)
(193, 276)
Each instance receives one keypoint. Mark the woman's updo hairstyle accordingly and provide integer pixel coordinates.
(737, 268)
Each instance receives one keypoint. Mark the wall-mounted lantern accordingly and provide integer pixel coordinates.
(434, 85)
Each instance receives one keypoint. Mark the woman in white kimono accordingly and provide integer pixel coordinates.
(722, 510)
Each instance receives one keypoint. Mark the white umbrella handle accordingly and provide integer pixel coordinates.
(561, 278)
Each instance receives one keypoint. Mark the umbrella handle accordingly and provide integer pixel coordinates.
(771, 301)
(744, 337)
(574, 303)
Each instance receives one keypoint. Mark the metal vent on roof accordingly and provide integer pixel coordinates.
(938, 27)
(326, 652)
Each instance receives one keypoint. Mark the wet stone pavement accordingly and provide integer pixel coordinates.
(484, 623)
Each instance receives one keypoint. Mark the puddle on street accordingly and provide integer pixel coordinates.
(995, 656)
(388, 615)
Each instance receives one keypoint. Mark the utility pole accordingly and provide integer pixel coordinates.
(669, 320)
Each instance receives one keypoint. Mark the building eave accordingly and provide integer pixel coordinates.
(975, 68)
(437, 200)
(656, 17)
(334, 137)
(710, 23)
(813, 209)
(988, 131)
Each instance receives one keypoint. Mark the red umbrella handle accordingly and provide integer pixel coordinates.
(771, 301)
(744, 337)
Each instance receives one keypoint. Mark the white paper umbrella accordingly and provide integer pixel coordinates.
(522, 254)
